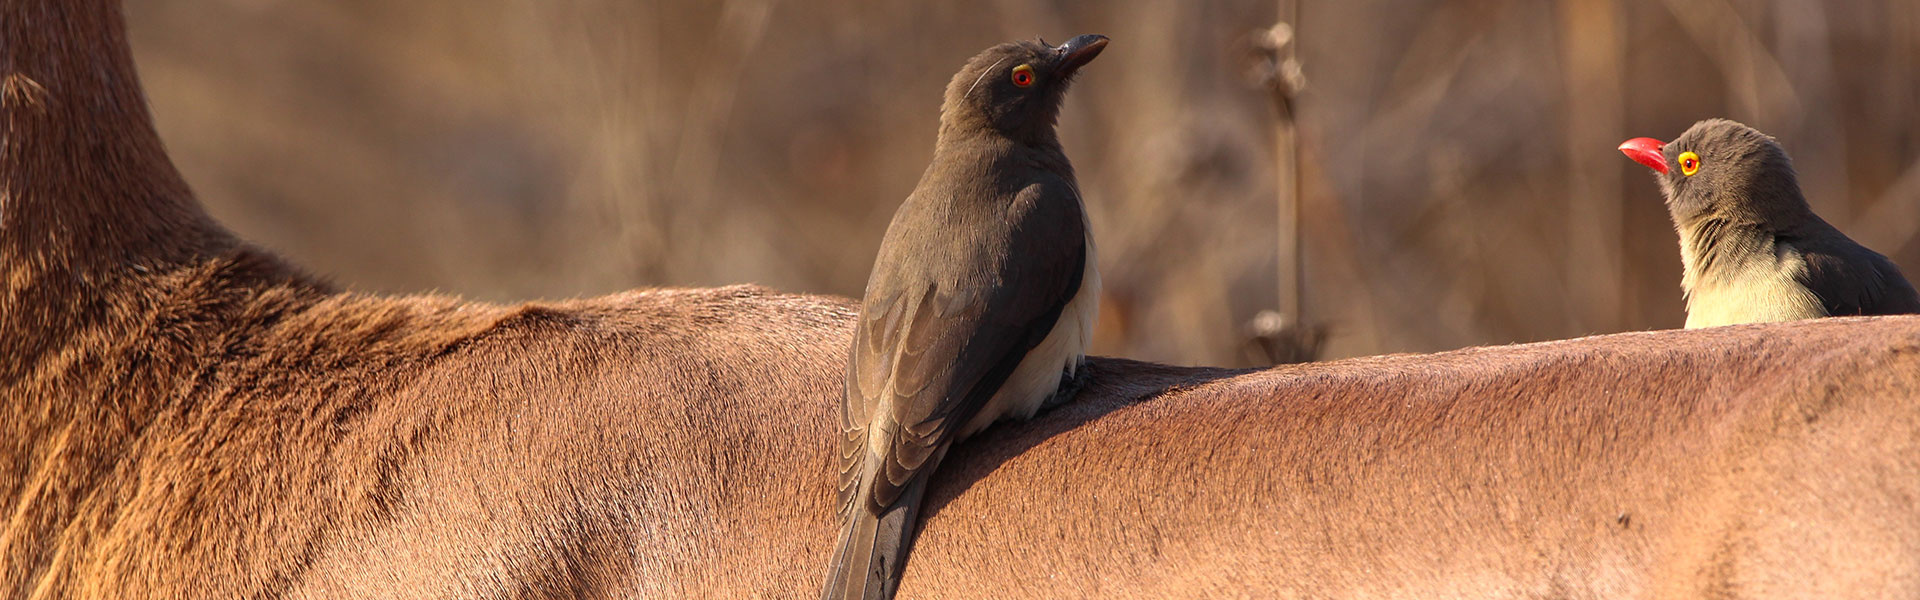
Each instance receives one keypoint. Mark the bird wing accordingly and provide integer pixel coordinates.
(1850, 279)
(932, 346)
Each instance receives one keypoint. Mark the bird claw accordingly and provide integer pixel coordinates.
(1070, 387)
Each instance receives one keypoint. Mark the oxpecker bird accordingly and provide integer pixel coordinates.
(1751, 249)
(981, 301)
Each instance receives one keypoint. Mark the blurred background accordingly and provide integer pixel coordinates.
(1458, 183)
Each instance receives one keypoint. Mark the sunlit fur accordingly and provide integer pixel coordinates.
(183, 416)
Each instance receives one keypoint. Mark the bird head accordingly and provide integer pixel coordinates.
(1720, 168)
(1014, 89)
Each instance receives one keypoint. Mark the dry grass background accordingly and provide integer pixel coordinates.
(1460, 182)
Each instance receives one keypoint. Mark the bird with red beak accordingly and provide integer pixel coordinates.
(1751, 249)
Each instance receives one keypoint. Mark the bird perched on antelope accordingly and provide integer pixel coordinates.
(1751, 248)
(981, 299)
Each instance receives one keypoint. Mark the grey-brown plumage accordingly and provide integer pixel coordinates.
(981, 300)
(1751, 248)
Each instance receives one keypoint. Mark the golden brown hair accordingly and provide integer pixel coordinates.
(185, 416)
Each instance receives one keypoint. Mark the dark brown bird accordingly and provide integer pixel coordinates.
(981, 300)
(1752, 250)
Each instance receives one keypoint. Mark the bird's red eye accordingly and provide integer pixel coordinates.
(1023, 75)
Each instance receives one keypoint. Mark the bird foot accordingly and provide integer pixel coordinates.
(1070, 387)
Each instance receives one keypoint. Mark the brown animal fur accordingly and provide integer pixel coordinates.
(186, 416)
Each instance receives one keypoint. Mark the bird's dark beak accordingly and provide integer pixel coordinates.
(1079, 51)
(1646, 151)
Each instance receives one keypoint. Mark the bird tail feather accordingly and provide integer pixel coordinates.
(866, 565)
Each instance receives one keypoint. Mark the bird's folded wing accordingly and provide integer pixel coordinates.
(929, 356)
(1850, 279)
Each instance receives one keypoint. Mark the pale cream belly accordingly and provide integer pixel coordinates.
(1038, 375)
(1757, 299)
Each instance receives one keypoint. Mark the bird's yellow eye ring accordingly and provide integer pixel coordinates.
(1689, 163)
(1023, 75)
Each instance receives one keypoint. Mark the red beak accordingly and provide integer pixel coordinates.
(1646, 151)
